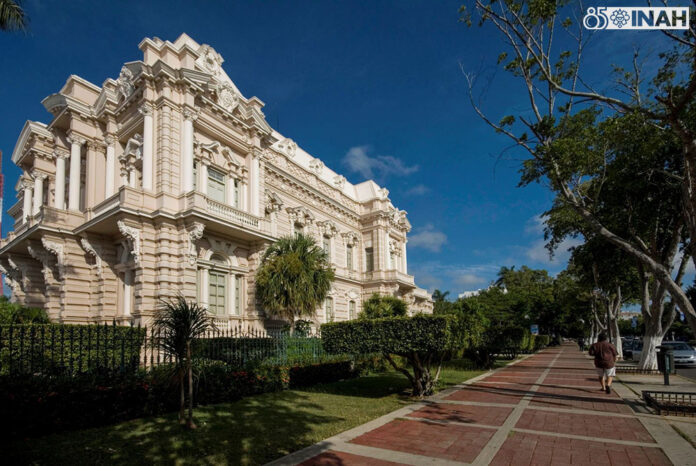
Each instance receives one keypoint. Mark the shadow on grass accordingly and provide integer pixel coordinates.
(250, 431)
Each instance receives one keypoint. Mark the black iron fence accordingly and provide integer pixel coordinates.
(75, 349)
(671, 403)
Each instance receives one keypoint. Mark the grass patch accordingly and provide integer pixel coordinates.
(253, 430)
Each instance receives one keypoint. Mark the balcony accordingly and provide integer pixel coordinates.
(233, 215)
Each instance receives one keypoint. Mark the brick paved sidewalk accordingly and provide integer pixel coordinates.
(546, 409)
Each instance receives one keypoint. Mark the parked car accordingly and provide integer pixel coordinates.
(684, 355)
(627, 345)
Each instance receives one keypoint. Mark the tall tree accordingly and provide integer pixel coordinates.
(561, 106)
(178, 323)
(440, 296)
(294, 278)
(12, 16)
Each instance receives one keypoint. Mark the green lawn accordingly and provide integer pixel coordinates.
(253, 430)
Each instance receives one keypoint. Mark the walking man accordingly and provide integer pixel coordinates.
(604, 359)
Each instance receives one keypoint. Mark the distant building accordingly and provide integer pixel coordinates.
(168, 180)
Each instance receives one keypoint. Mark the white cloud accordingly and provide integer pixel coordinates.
(428, 238)
(469, 279)
(380, 166)
(538, 253)
(418, 190)
(451, 277)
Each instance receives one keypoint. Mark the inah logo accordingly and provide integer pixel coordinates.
(609, 17)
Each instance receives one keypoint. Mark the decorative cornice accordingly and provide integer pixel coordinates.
(327, 228)
(273, 202)
(300, 215)
(146, 109)
(351, 238)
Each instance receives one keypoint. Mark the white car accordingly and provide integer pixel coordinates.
(684, 355)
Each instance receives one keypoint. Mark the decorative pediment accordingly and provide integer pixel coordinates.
(209, 61)
(300, 215)
(327, 228)
(351, 238)
(227, 97)
(273, 202)
(397, 218)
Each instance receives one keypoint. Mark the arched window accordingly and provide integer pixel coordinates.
(351, 310)
(329, 309)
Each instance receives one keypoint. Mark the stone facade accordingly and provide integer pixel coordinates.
(168, 180)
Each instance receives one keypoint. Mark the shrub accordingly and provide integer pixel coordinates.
(380, 306)
(69, 349)
(423, 340)
(13, 313)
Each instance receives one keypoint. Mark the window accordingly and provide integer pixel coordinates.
(236, 194)
(299, 229)
(369, 260)
(349, 257)
(351, 310)
(326, 244)
(216, 293)
(328, 305)
(238, 295)
(216, 185)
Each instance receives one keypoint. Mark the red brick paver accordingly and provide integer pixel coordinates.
(339, 458)
(487, 415)
(451, 442)
(521, 449)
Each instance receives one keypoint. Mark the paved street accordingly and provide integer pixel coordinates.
(544, 410)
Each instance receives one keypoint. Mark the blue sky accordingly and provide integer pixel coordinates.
(371, 88)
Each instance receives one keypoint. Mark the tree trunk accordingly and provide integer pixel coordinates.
(189, 422)
(648, 355)
(691, 320)
(182, 398)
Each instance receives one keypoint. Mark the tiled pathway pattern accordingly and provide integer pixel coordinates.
(544, 410)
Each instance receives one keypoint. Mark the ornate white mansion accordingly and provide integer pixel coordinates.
(168, 180)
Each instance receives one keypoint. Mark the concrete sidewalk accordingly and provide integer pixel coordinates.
(546, 409)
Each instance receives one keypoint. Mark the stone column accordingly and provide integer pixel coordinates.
(230, 191)
(127, 292)
(59, 199)
(405, 264)
(110, 165)
(148, 144)
(38, 191)
(190, 116)
(203, 176)
(26, 208)
(254, 182)
(205, 284)
(243, 196)
(75, 166)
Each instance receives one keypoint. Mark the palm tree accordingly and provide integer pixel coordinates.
(178, 323)
(439, 296)
(12, 17)
(294, 278)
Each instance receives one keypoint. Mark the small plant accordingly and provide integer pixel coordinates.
(179, 322)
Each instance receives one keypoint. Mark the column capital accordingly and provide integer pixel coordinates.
(110, 139)
(76, 139)
(38, 175)
(146, 109)
(96, 146)
(60, 153)
(191, 113)
(27, 183)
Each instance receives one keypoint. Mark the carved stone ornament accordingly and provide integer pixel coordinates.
(133, 151)
(339, 181)
(383, 194)
(132, 238)
(300, 215)
(125, 82)
(195, 233)
(288, 147)
(228, 98)
(11, 281)
(327, 228)
(89, 249)
(317, 166)
(209, 60)
(351, 238)
(37, 252)
(394, 247)
(57, 250)
(273, 202)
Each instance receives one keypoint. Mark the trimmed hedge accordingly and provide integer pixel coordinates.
(35, 405)
(396, 335)
(69, 349)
